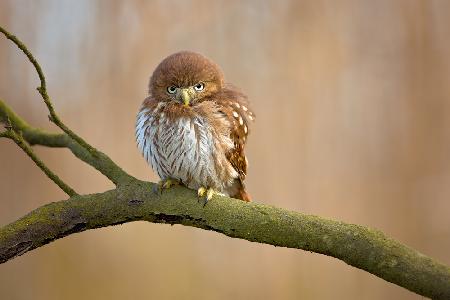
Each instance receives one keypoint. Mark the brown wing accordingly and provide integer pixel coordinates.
(235, 107)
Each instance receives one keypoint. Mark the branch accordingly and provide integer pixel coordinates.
(42, 89)
(358, 246)
(35, 136)
(18, 139)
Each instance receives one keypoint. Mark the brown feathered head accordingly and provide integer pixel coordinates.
(186, 77)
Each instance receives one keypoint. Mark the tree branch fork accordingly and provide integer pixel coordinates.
(133, 200)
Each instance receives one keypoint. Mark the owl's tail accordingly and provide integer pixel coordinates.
(242, 193)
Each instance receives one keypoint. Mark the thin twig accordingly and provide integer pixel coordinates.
(35, 136)
(42, 89)
(19, 140)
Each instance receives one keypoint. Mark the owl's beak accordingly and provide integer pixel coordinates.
(185, 97)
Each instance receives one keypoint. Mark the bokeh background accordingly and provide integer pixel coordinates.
(353, 124)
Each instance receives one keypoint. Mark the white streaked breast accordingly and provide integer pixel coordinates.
(186, 149)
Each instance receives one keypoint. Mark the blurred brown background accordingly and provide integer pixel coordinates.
(352, 104)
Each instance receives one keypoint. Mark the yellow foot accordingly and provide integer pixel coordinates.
(165, 184)
(206, 194)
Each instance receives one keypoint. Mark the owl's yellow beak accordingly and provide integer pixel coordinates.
(185, 97)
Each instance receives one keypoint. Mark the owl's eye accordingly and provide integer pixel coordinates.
(172, 89)
(199, 86)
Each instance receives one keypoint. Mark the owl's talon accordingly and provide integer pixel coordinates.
(205, 194)
(164, 185)
(209, 194)
(170, 183)
(201, 192)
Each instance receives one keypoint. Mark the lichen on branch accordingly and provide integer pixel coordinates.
(361, 247)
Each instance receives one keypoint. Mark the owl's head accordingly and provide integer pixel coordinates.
(185, 77)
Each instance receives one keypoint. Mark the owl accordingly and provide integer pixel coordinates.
(192, 127)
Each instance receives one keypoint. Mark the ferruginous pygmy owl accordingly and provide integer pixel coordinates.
(192, 127)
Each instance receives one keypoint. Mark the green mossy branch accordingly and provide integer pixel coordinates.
(35, 136)
(132, 200)
(361, 247)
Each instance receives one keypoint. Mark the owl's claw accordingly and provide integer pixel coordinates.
(164, 185)
(201, 191)
(206, 194)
